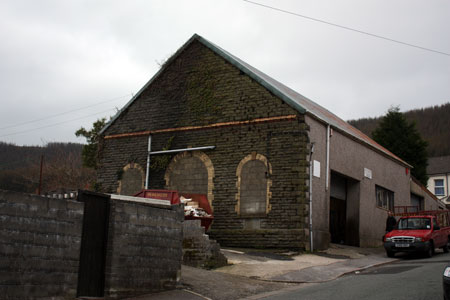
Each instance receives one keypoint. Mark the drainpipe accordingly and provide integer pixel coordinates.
(447, 192)
(311, 243)
(327, 179)
(149, 149)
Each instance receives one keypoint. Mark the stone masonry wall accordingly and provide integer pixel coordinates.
(144, 248)
(39, 246)
(200, 88)
(198, 249)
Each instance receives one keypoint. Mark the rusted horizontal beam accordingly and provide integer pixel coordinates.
(210, 126)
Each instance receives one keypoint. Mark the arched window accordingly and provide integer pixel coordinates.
(191, 172)
(253, 183)
(131, 180)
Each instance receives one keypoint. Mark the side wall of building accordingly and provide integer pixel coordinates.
(320, 193)
(199, 88)
(364, 169)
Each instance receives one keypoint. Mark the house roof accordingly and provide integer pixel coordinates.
(291, 97)
(438, 165)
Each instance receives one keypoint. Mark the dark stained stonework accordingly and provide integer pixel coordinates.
(197, 88)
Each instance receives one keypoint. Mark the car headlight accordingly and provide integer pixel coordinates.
(388, 239)
(418, 239)
(447, 272)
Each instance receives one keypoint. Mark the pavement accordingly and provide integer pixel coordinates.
(257, 274)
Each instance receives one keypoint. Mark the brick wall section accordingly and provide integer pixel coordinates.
(198, 88)
(39, 246)
(144, 248)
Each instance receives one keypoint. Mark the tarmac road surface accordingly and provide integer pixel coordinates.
(410, 278)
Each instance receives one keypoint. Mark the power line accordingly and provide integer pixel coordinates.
(64, 113)
(348, 28)
(56, 124)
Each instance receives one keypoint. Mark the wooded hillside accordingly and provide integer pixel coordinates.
(433, 123)
(20, 165)
(62, 167)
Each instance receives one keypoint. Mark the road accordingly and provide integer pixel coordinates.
(410, 278)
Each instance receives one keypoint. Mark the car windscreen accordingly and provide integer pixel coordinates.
(414, 223)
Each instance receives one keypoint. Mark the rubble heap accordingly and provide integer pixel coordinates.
(191, 208)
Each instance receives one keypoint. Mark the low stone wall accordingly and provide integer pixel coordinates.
(39, 246)
(198, 250)
(144, 248)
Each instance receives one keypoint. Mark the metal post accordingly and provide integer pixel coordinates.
(40, 175)
(147, 172)
(311, 240)
(182, 150)
(327, 178)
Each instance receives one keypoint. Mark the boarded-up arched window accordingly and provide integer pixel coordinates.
(191, 172)
(253, 185)
(131, 180)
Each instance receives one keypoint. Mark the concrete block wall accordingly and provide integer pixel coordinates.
(144, 248)
(39, 246)
(40, 241)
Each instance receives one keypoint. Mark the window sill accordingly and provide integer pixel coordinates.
(384, 208)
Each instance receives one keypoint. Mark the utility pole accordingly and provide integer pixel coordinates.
(40, 174)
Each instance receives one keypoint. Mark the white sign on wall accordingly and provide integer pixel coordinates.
(367, 173)
(316, 168)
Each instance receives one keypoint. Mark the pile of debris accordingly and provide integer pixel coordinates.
(191, 208)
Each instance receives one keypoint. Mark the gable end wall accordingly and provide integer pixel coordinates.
(199, 88)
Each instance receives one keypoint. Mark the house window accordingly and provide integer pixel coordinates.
(385, 198)
(439, 187)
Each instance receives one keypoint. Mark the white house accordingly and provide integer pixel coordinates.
(438, 171)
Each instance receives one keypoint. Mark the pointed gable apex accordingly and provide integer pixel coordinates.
(289, 96)
(241, 65)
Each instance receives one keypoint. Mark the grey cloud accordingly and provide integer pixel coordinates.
(62, 55)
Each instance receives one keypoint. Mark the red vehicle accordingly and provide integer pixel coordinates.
(420, 232)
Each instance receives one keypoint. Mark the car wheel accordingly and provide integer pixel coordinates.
(430, 250)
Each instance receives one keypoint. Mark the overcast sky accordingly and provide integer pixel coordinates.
(64, 64)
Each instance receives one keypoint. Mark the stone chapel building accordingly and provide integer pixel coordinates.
(278, 169)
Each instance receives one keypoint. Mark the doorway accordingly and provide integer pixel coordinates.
(338, 208)
(338, 218)
(344, 210)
